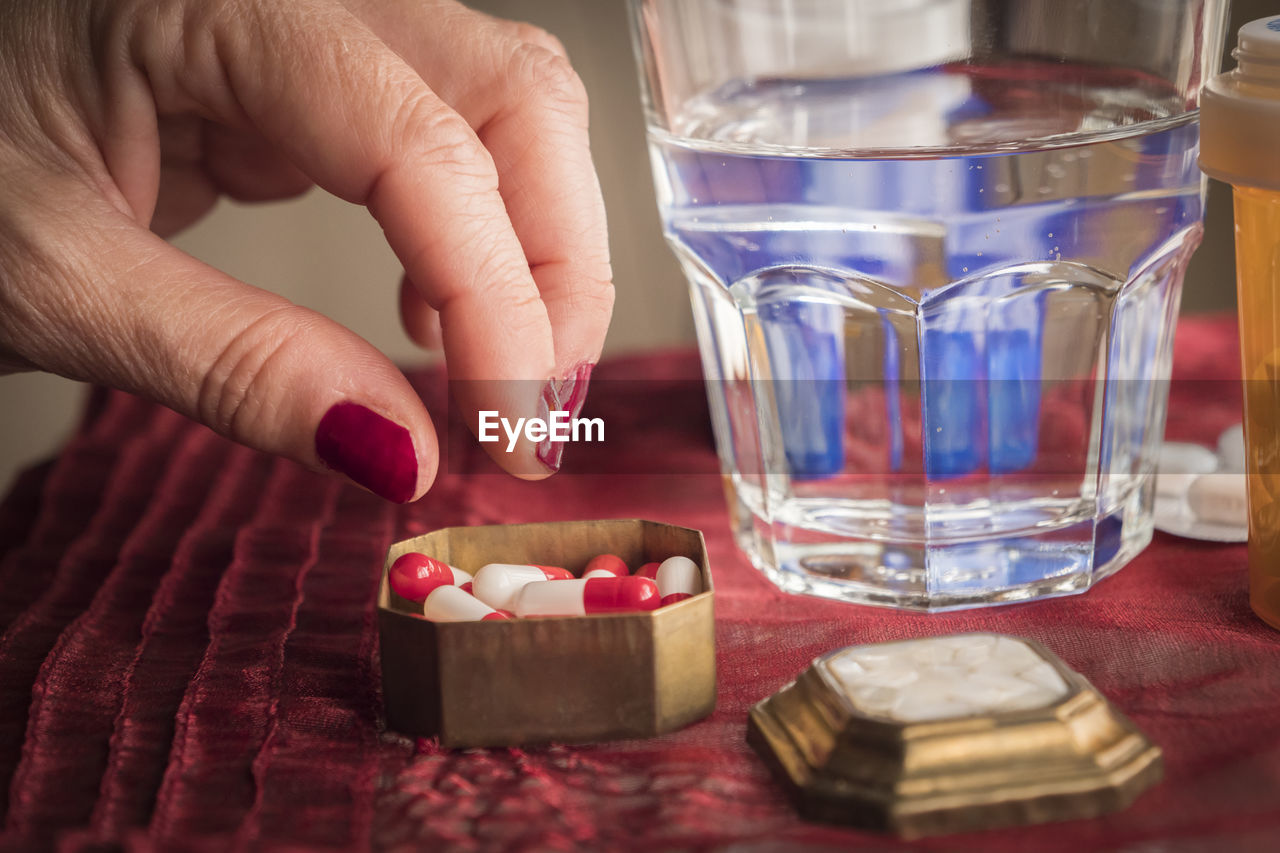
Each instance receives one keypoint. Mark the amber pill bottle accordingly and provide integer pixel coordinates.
(1240, 144)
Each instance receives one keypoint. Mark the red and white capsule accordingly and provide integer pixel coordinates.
(586, 595)
(678, 578)
(606, 566)
(414, 575)
(497, 583)
(554, 573)
(648, 570)
(451, 604)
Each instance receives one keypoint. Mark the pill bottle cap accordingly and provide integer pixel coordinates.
(1240, 111)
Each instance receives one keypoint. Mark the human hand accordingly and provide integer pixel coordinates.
(465, 137)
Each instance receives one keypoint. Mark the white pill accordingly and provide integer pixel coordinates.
(497, 584)
(451, 604)
(678, 578)
(1231, 449)
(1181, 462)
(1220, 499)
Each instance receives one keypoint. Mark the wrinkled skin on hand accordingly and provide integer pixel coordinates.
(464, 136)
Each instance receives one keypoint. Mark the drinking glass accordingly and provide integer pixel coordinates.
(935, 252)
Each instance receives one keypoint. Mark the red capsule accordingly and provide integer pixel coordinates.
(606, 566)
(414, 575)
(678, 578)
(586, 595)
(648, 570)
(451, 604)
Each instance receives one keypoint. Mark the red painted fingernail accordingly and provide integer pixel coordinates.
(562, 395)
(368, 448)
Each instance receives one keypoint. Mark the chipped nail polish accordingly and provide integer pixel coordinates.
(562, 395)
(375, 452)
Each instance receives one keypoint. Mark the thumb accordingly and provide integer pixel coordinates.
(118, 305)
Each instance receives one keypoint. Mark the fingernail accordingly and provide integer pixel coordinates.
(562, 395)
(368, 448)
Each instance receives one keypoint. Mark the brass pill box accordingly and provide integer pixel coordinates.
(563, 679)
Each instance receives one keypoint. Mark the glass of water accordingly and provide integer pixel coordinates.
(935, 251)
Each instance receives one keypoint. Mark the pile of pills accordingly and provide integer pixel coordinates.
(1201, 494)
(508, 590)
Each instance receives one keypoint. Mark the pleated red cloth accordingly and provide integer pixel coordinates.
(189, 654)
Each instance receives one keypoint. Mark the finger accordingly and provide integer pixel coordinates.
(184, 192)
(201, 161)
(355, 118)
(117, 305)
(513, 83)
(246, 167)
(532, 116)
(421, 321)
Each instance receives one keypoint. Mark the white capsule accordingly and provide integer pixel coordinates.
(551, 598)
(497, 583)
(678, 578)
(1179, 464)
(452, 604)
(1220, 499)
(1231, 449)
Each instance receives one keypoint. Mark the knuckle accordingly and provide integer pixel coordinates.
(178, 46)
(496, 278)
(602, 296)
(523, 315)
(445, 139)
(526, 318)
(594, 297)
(550, 78)
(468, 266)
(235, 391)
(537, 36)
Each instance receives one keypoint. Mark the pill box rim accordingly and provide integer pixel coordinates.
(623, 614)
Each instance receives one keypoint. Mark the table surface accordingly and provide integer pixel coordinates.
(189, 653)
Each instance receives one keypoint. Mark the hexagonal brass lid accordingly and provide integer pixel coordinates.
(945, 734)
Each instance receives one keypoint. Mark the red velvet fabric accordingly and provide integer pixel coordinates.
(189, 654)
